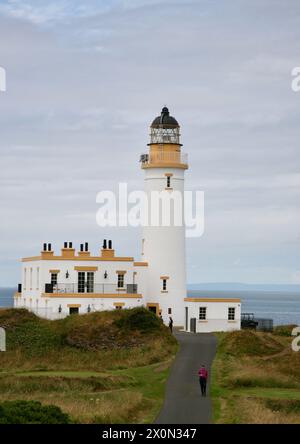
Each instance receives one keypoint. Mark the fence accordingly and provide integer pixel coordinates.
(90, 288)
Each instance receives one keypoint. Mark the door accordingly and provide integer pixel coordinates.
(193, 325)
(154, 308)
(81, 282)
(73, 310)
(90, 282)
(86, 282)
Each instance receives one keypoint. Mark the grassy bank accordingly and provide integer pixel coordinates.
(256, 378)
(100, 367)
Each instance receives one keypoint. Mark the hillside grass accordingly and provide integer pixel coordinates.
(256, 378)
(101, 367)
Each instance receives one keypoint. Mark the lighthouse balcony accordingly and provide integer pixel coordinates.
(164, 159)
(91, 289)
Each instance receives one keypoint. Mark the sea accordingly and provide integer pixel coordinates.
(281, 306)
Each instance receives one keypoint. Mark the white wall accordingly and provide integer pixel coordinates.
(164, 250)
(217, 316)
(33, 297)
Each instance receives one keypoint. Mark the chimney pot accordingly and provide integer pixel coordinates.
(81, 247)
(86, 246)
(49, 247)
(70, 245)
(65, 244)
(45, 247)
(104, 244)
(110, 244)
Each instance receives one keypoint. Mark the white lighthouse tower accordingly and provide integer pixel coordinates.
(164, 246)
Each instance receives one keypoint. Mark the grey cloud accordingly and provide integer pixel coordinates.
(82, 90)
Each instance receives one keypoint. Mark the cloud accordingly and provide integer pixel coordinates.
(40, 12)
(84, 81)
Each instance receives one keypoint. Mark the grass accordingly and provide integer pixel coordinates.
(108, 367)
(256, 378)
(116, 396)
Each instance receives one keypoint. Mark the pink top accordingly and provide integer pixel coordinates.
(203, 373)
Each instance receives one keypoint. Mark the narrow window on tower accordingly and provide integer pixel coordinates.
(143, 246)
(164, 284)
(168, 181)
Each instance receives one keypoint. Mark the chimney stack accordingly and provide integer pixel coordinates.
(107, 251)
(47, 252)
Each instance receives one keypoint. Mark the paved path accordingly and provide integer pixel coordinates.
(183, 401)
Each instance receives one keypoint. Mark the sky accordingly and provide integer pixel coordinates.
(84, 82)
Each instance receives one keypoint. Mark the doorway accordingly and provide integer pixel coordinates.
(154, 308)
(73, 310)
(86, 282)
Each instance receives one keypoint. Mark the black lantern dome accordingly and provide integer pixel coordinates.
(164, 129)
(165, 120)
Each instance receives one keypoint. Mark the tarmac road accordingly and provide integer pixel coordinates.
(183, 401)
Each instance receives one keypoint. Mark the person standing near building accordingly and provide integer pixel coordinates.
(171, 324)
(203, 375)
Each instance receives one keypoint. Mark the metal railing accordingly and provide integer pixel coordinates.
(164, 157)
(89, 288)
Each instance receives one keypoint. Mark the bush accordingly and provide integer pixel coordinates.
(251, 343)
(35, 337)
(283, 330)
(31, 412)
(283, 405)
(139, 319)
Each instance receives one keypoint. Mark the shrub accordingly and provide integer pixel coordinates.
(246, 342)
(283, 405)
(139, 319)
(283, 330)
(31, 412)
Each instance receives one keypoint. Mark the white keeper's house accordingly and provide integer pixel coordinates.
(57, 285)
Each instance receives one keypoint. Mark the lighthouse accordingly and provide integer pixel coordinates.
(163, 245)
(55, 285)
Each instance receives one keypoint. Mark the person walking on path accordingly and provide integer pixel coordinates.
(171, 324)
(203, 375)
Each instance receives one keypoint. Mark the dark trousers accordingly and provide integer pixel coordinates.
(202, 382)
